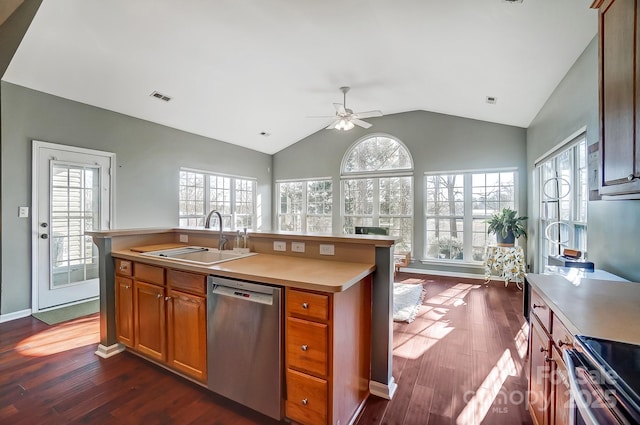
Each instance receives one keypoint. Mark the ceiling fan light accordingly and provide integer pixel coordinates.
(344, 124)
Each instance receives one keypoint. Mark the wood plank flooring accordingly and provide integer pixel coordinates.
(460, 362)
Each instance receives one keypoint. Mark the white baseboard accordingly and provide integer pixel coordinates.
(443, 273)
(106, 352)
(385, 391)
(15, 315)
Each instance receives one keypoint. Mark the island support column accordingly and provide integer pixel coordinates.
(108, 344)
(382, 383)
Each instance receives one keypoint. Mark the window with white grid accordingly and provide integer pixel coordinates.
(377, 188)
(457, 206)
(305, 206)
(233, 197)
(564, 194)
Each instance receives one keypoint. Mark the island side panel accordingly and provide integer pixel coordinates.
(106, 274)
(382, 325)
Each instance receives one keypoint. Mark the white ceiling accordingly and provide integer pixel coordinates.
(236, 68)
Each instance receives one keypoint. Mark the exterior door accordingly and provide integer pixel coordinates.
(71, 195)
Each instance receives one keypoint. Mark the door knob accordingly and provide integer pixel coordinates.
(44, 236)
(304, 347)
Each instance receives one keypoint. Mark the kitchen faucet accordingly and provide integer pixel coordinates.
(207, 225)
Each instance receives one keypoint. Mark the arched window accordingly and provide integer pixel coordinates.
(377, 187)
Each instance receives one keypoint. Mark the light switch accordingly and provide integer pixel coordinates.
(23, 212)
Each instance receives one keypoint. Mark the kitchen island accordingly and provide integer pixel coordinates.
(357, 261)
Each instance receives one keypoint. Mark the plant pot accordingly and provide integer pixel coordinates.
(508, 241)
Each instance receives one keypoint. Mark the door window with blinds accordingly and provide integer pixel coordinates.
(562, 180)
(75, 209)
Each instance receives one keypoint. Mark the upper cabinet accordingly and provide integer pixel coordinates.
(619, 64)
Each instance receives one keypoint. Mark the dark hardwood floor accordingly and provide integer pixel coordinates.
(460, 362)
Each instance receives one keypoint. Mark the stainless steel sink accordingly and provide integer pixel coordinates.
(197, 255)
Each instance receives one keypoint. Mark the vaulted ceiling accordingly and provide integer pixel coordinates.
(237, 68)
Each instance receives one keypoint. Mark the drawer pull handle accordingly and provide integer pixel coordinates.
(159, 295)
(167, 298)
(305, 306)
(561, 343)
(548, 359)
(127, 286)
(304, 347)
(538, 306)
(631, 177)
(543, 350)
(305, 401)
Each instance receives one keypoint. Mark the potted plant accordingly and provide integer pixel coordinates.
(507, 226)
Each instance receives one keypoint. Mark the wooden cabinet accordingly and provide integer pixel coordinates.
(327, 355)
(150, 321)
(549, 394)
(619, 64)
(124, 302)
(187, 333)
(161, 313)
(124, 311)
(539, 373)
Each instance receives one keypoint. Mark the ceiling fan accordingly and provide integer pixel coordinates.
(346, 119)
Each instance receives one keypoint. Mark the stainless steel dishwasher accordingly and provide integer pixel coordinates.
(244, 343)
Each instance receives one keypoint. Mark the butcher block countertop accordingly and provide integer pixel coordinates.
(303, 273)
(593, 307)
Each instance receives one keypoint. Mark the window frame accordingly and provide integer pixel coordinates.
(233, 216)
(571, 146)
(304, 208)
(468, 216)
(376, 176)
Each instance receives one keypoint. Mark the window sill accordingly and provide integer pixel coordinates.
(450, 263)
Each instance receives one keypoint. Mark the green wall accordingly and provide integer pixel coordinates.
(612, 225)
(148, 158)
(437, 142)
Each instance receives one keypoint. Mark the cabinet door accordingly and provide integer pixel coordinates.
(124, 311)
(187, 334)
(561, 391)
(539, 373)
(619, 123)
(150, 320)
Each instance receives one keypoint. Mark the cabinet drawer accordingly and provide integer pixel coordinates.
(306, 398)
(561, 336)
(150, 274)
(191, 282)
(541, 310)
(123, 267)
(307, 345)
(308, 304)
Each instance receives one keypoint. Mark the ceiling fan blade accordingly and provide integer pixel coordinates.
(368, 114)
(340, 108)
(361, 123)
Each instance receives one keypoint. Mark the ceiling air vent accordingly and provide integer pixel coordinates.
(512, 1)
(491, 100)
(160, 96)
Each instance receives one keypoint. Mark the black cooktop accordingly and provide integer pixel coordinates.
(620, 358)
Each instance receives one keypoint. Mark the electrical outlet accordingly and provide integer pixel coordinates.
(184, 238)
(23, 212)
(326, 249)
(279, 246)
(297, 246)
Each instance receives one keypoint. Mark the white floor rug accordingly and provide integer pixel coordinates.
(406, 301)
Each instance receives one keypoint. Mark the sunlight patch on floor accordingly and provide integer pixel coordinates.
(62, 337)
(479, 402)
(521, 339)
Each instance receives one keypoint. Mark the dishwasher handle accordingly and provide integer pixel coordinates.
(242, 294)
